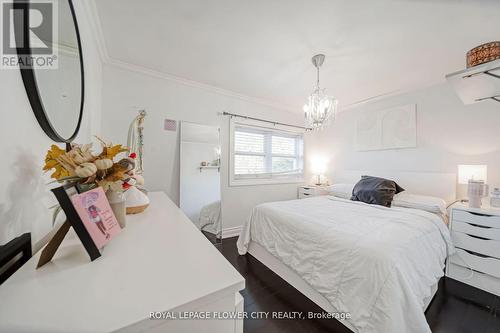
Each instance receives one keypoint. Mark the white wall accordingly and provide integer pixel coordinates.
(24, 197)
(125, 90)
(448, 133)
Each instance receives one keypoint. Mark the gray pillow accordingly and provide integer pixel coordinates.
(375, 190)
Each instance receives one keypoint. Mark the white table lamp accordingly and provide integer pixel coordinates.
(318, 168)
(475, 177)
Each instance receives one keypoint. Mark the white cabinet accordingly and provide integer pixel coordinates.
(305, 191)
(159, 263)
(476, 236)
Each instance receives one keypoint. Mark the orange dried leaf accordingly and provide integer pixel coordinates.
(51, 162)
(112, 151)
(60, 172)
(54, 152)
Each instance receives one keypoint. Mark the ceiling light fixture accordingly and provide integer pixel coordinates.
(320, 108)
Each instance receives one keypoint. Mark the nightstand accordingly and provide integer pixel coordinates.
(475, 232)
(305, 191)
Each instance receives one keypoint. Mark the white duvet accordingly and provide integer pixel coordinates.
(376, 263)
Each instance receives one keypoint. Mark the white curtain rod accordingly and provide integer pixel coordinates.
(263, 120)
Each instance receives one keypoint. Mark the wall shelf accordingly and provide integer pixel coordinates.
(478, 83)
(209, 167)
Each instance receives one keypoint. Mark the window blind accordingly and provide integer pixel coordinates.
(266, 153)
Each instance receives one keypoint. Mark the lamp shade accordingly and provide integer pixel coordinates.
(468, 172)
(318, 165)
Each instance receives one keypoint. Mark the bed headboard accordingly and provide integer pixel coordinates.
(442, 185)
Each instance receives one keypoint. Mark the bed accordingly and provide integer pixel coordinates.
(379, 266)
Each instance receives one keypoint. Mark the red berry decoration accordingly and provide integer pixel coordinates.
(133, 155)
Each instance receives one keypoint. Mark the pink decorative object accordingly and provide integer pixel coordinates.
(170, 125)
(96, 214)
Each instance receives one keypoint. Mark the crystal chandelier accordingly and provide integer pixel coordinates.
(320, 108)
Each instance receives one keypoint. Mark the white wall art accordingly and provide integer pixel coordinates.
(392, 128)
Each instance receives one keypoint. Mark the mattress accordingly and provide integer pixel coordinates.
(376, 263)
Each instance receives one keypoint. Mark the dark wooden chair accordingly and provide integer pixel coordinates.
(13, 255)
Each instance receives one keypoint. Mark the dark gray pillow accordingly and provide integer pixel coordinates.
(375, 190)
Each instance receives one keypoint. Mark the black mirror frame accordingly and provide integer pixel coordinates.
(30, 84)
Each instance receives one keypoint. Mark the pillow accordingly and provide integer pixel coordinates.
(343, 191)
(422, 202)
(375, 190)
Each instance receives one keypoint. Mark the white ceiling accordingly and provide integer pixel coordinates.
(262, 48)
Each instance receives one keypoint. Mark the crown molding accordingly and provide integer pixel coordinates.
(92, 14)
(196, 84)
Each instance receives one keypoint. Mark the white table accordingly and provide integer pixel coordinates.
(159, 262)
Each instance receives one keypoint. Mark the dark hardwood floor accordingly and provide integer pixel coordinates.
(456, 308)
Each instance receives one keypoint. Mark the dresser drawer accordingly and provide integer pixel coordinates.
(307, 190)
(486, 265)
(303, 195)
(479, 280)
(482, 246)
(310, 191)
(476, 230)
(492, 221)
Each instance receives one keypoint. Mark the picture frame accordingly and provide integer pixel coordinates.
(88, 212)
(389, 128)
(63, 195)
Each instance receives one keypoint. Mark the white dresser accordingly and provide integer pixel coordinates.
(159, 262)
(476, 236)
(305, 191)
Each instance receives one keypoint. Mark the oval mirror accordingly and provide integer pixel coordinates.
(54, 79)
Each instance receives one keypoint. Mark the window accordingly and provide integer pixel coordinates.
(265, 155)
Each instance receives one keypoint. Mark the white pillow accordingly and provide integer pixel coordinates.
(343, 191)
(422, 202)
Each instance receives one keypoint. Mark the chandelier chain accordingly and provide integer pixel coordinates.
(317, 77)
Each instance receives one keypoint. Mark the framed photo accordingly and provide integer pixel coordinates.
(90, 214)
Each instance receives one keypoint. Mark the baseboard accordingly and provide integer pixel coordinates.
(231, 232)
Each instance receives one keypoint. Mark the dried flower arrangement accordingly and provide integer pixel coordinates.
(80, 165)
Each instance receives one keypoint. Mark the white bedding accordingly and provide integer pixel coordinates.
(376, 263)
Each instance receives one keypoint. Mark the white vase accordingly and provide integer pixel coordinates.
(117, 202)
